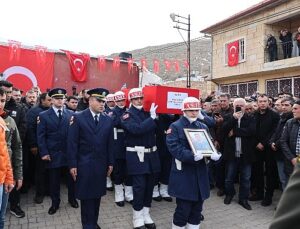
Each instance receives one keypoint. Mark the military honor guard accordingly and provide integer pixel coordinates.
(52, 130)
(109, 106)
(189, 176)
(141, 156)
(120, 173)
(90, 155)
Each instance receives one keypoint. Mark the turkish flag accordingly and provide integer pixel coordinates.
(78, 65)
(167, 65)
(143, 64)
(41, 54)
(177, 67)
(116, 63)
(101, 62)
(233, 53)
(156, 66)
(14, 50)
(130, 64)
(26, 72)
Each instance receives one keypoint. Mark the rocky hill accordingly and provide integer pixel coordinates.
(200, 58)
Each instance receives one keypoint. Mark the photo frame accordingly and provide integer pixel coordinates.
(200, 141)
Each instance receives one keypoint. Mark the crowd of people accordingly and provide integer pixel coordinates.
(94, 140)
(286, 40)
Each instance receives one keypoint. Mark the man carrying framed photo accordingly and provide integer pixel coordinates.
(189, 176)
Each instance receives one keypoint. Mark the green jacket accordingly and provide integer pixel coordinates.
(14, 146)
(287, 215)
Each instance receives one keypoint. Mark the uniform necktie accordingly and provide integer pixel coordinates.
(59, 114)
(96, 119)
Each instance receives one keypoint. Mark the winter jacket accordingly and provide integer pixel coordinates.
(6, 175)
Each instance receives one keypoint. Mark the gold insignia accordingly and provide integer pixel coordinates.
(103, 93)
(38, 120)
(71, 120)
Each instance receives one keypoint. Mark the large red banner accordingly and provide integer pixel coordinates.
(26, 71)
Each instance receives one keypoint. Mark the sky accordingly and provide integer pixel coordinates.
(101, 27)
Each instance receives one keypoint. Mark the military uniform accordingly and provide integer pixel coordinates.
(40, 168)
(141, 156)
(188, 181)
(109, 112)
(90, 148)
(120, 173)
(52, 130)
(163, 123)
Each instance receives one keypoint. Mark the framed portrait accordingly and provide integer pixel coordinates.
(200, 141)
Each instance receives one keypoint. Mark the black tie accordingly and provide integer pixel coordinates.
(96, 119)
(59, 114)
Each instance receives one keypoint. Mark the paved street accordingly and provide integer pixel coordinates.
(217, 215)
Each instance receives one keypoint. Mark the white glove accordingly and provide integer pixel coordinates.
(198, 156)
(215, 156)
(153, 110)
(200, 115)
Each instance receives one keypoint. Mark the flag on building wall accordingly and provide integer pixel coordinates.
(25, 71)
(233, 53)
(78, 65)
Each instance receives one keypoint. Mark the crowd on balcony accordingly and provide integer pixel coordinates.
(287, 41)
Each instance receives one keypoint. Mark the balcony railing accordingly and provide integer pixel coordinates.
(283, 50)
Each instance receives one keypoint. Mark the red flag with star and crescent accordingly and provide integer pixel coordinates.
(78, 65)
(233, 53)
(26, 71)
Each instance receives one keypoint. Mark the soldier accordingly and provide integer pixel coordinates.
(120, 171)
(160, 192)
(141, 156)
(40, 168)
(109, 106)
(90, 155)
(52, 130)
(189, 177)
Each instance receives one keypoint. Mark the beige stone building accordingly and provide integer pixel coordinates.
(255, 71)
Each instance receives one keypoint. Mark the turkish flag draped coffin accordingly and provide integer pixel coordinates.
(24, 69)
(233, 53)
(78, 65)
(168, 99)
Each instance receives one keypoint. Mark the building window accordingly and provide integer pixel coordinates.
(240, 89)
(233, 89)
(242, 51)
(243, 89)
(224, 88)
(296, 87)
(288, 85)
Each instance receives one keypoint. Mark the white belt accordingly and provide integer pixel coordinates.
(141, 150)
(116, 131)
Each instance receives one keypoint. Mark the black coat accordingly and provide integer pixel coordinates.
(247, 133)
(288, 142)
(265, 126)
(277, 134)
(17, 112)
